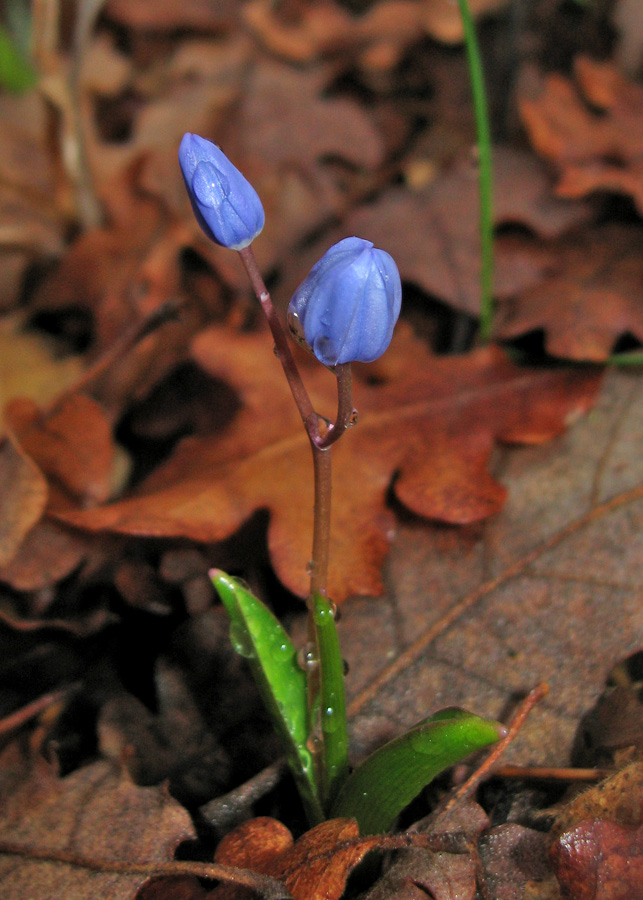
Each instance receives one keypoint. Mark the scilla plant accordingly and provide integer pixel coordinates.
(344, 311)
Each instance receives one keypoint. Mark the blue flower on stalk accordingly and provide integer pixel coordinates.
(347, 307)
(225, 204)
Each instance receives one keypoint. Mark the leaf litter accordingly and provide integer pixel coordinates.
(498, 567)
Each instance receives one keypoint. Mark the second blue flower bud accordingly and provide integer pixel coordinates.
(348, 305)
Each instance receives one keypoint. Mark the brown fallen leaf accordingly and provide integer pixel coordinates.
(69, 455)
(442, 876)
(435, 426)
(593, 135)
(47, 554)
(433, 233)
(94, 812)
(599, 860)
(548, 590)
(72, 445)
(515, 864)
(592, 295)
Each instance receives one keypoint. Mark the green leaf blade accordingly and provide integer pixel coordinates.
(258, 636)
(389, 779)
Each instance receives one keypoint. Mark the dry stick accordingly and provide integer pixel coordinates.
(469, 600)
(550, 773)
(269, 887)
(18, 718)
(482, 771)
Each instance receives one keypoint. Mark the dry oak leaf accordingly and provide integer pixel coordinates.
(434, 427)
(592, 295)
(593, 135)
(379, 37)
(96, 812)
(433, 233)
(315, 867)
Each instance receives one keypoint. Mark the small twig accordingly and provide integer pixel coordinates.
(271, 888)
(18, 718)
(485, 769)
(224, 811)
(550, 773)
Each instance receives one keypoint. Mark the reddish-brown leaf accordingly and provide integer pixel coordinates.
(600, 860)
(315, 867)
(592, 295)
(435, 426)
(72, 446)
(594, 135)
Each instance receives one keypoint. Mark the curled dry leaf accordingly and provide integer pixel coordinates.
(315, 867)
(435, 426)
(593, 133)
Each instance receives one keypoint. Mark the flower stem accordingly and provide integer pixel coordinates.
(326, 699)
(481, 113)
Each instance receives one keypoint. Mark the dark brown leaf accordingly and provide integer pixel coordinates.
(94, 812)
(591, 296)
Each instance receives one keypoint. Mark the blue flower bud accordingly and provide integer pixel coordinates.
(347, 307)
(225, 204)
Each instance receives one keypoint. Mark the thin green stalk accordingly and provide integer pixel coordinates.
(485, 173)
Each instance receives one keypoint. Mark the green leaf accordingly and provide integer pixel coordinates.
(332, 702)
(379, 789)
(258, 636)
(16, 74)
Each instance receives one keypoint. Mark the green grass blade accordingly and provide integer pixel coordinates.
(379, 789)
(485, 177)
(258, 636)
(332, 702)
(16, 73)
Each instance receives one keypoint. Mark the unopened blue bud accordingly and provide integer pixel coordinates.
(347, 307)
(226, 205)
